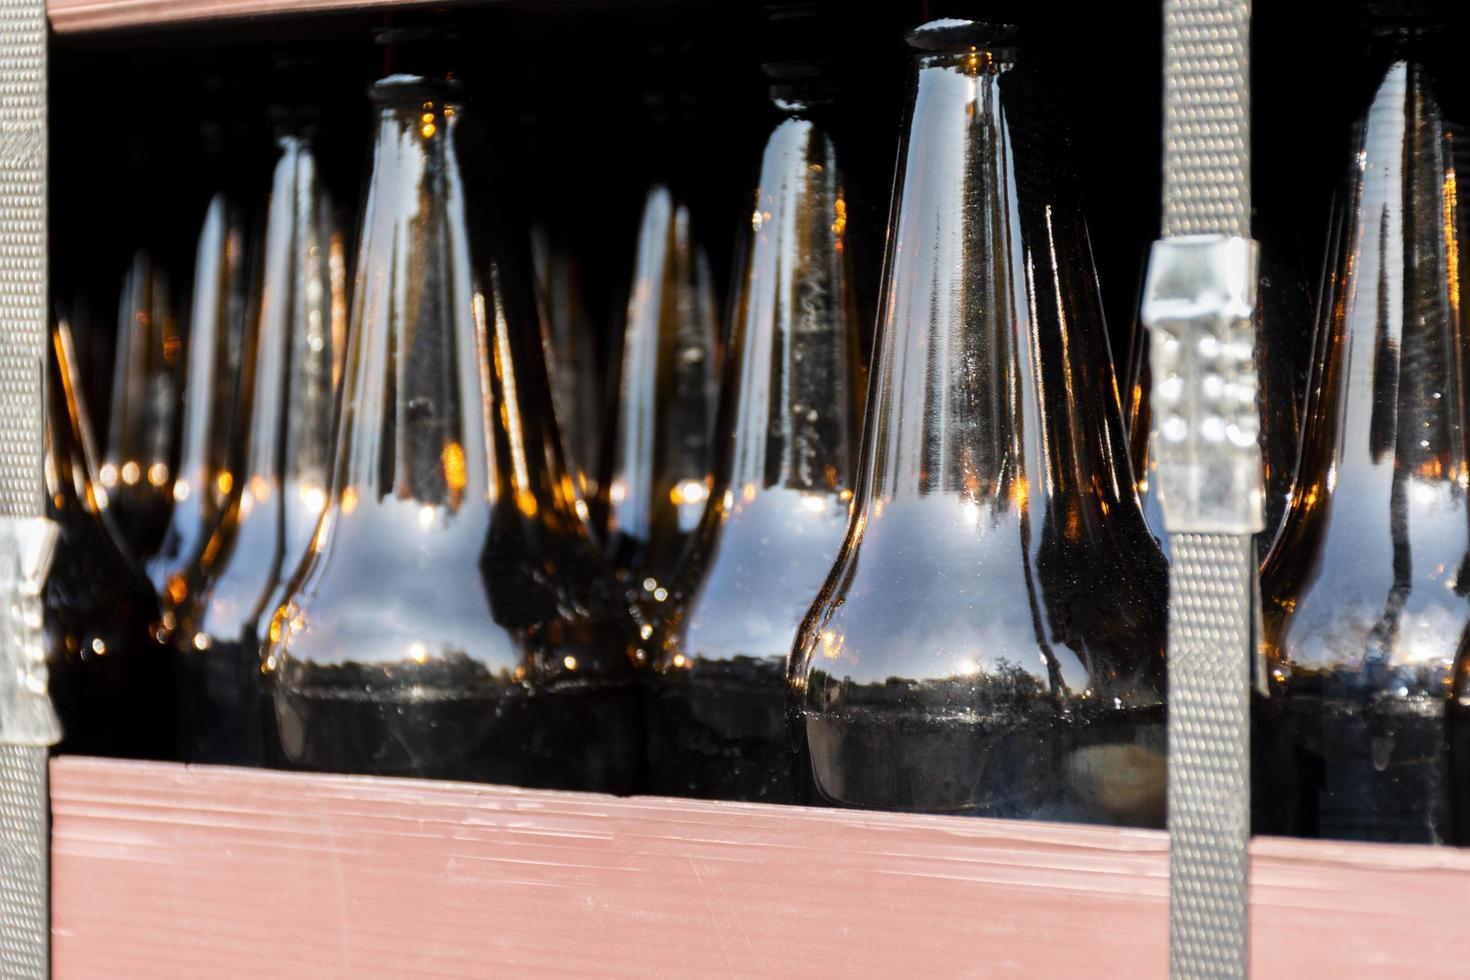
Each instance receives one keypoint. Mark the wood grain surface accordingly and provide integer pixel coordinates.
(169, 871)
(78, 16)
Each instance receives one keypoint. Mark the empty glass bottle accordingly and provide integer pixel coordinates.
(785, 459)
(267, 523)
(1365, 588)
(110, 673)
(136, 470)
(991, 637)
(576, 371)
(452, 618)
(659, 458)
(214, 409)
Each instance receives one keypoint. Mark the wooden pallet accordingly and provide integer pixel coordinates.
(164, 870)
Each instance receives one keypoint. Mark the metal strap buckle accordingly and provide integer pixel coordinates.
(1199, 304)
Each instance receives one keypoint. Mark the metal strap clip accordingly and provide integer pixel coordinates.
(26, 715)
(1199, 304)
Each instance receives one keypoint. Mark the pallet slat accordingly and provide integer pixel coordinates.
(165, 870)
(82, 16)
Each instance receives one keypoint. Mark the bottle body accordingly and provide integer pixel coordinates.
(785, 458)
(1364, 599)
(990, 638)
(449, 620)
(110, 672)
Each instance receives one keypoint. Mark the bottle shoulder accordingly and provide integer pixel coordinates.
(751, 573)
(1381, 579)
(945, 599)
(389, 585)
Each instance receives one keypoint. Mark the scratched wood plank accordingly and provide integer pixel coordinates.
(92, 16)
(83, 16)
(171, 871)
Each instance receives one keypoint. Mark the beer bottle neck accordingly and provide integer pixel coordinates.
(792, 357)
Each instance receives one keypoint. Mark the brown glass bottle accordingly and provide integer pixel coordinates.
(576, 370)
(142, 439)
(785, 458)
(215, 412)
(658, 460)
(110, 675)
(268, 520)
(991, 637)
(1365, 589)
(452, 618)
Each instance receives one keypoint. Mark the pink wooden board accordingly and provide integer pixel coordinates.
(76, 16)
(170, 871)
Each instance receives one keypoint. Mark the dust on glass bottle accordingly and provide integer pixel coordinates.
(141, 448)
(991, 637)
(266, 525)
(215, 409)
(1365, 589)
(452, 618)
(110, 674)
(785, 451)
(658, 459)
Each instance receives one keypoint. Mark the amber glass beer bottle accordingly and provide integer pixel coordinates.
(1365, 588)
(785, 451)
(110, 673)
(215, 409)
(452, 619)
(264, 529)
(136, 471)
(991, 637)
(576, 370)
(658, 460)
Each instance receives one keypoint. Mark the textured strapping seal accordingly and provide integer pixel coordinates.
(27, 723)
(1199, 303)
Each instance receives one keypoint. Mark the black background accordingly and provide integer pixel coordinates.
(591, 100)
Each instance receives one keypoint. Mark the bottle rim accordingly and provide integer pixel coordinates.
(951, 34)
(397, 88)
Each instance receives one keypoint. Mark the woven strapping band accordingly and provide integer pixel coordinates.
(1207, 192)
(24, 923)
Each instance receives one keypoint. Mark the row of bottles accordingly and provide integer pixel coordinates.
(387, 539)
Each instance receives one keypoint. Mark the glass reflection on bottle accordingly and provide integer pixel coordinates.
(451, 618)
(1365, 589)
(215, 407)
(659, 457)
(991, 637)
(268, 520)
(137, 466)
(110, 674)
(784, 465)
